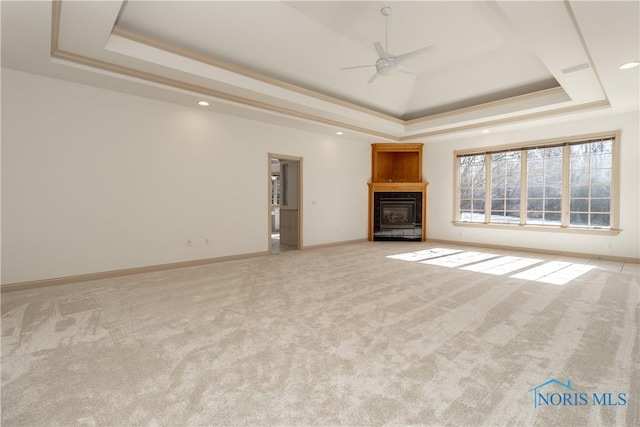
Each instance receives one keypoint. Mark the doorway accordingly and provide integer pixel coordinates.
(285, 203)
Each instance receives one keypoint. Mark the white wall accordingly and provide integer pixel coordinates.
(438, 171)
(95, 180)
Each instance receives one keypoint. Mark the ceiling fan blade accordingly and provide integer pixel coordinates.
(357, 67)
(380, 50)
(375, 76)
(415, 53)
(407, 70)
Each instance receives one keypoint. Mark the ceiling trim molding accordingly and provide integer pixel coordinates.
(196, 89)
(517, 119)
(210, 60)
(125, 71)
(479, 107)
(149, 77)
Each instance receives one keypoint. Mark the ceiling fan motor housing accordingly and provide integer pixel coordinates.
(386, 65)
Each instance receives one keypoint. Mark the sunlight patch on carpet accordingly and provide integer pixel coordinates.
(553, 272)
(502, 265)
(422, 255)
(459, 259)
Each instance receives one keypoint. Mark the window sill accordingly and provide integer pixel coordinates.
(550, 228)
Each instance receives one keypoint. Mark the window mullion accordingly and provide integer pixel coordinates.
(614, 195)
(523, 187)
(456, 185)
(566, 196)
(487, 188)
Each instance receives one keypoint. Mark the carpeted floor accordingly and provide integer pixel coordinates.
(335, 336)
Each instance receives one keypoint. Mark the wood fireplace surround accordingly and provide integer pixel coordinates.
(396, 174)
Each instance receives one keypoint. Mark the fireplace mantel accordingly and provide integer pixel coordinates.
(397, 169)
(396, 186)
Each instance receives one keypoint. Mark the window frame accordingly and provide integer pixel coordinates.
(565, 214)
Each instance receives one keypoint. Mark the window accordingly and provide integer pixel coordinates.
(544, 186)
(505, 187)
(590, 184)
(275, 190)
(472, 188)
(558, 184)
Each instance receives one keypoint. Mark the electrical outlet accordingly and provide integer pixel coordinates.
(188, 242)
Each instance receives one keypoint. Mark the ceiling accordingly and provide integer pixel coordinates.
(493, 63)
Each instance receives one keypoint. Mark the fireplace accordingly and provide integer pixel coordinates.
(397, 195)
(397, 213)
(397, 216)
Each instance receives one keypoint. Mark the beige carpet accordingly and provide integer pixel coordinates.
(332, 336)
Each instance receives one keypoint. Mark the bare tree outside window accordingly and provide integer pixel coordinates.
(505, 187)
(559, 185)
(544, 186)
(472, 184)
(590, 184)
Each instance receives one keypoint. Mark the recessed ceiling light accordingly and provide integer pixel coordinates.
(628, 65)
(486, 131)
(339, 133)
(203, 103)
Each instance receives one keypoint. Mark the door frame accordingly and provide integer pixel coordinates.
(270, 158)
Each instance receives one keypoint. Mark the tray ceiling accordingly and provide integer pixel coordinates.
(494, 63)
(306, 43)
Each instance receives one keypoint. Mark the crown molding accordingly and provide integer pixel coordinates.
(404, 135)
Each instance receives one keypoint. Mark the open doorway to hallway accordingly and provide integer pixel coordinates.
(285, 207)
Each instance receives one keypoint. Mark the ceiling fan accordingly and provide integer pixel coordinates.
(387, 63)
